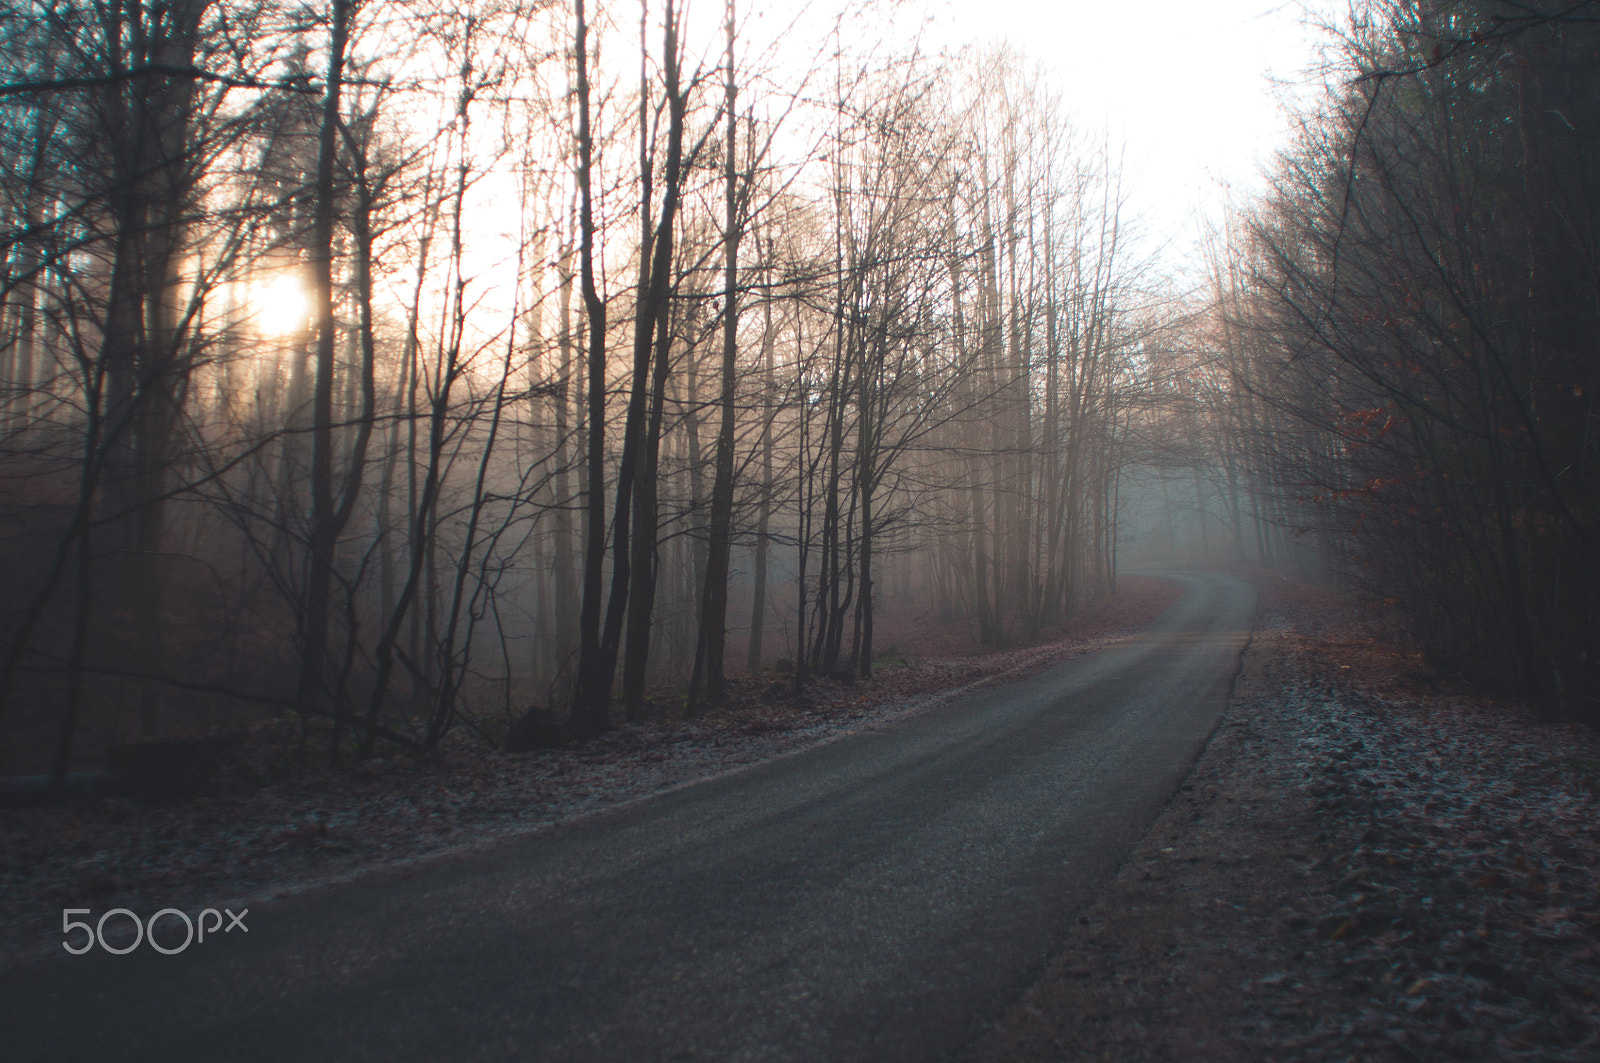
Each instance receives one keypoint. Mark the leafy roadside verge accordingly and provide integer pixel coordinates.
(1359, 867)
(266, 833)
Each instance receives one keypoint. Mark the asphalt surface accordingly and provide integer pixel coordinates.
(880, 897)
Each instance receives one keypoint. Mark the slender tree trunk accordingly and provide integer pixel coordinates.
(404, 410)
(804, 496)
(566, 591)
(590, 714)
(80, 534)
(324, 535)
(758, 601)
(708, 660)
(861, 639)
(363, 416)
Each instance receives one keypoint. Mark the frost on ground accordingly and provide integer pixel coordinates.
(1359, 867)
(265, 834)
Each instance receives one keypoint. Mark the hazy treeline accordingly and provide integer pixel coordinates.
(1411, 324)
(404, 367)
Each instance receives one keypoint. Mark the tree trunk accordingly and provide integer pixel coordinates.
(590, 716)
(655, 268)
(758, 600)
(709, 650)
(324, 535)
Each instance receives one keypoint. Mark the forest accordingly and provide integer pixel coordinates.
(524, 367)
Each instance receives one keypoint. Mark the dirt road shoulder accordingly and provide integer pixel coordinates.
(1347, 873)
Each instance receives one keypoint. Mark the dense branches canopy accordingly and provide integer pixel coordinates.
(398, 369)
(1411, 320)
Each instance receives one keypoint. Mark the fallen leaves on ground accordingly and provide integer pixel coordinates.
(1361, 866)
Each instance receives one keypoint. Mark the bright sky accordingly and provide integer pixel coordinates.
(1186, 85)
(1193, 90)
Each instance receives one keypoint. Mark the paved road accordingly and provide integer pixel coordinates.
(877, 898)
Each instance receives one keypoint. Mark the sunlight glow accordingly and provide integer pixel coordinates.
(280, 306)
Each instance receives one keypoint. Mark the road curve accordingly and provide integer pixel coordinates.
(878, 898)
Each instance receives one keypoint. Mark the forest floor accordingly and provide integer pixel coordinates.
(271, 826)
(1364, 864)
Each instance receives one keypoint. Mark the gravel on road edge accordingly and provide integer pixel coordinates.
(1344, 875)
